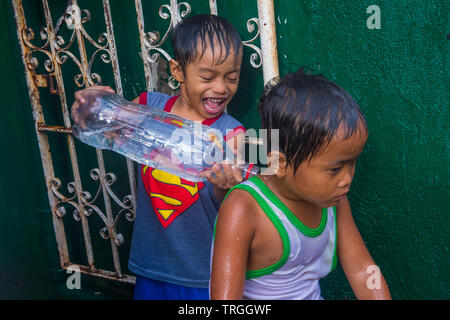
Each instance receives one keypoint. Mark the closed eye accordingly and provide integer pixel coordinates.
(233, 76)
(335, 170)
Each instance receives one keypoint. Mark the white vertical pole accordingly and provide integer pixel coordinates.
(213, 7)
(268, 39)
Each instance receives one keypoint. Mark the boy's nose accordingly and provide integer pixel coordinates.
(347, 178)
(344, 183)
(219, 86)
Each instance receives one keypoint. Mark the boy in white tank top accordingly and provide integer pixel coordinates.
(277, 235)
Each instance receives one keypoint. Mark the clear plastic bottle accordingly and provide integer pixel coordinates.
(151, 136)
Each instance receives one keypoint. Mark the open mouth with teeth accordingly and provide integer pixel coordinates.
(213, 105)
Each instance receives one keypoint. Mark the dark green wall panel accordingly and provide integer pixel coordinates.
(399, 76)
(23, 260)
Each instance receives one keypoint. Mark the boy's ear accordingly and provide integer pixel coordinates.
(277, 164)
(176, 71)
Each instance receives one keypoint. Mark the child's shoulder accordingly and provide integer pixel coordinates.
(238, 193)
(238, 210)
(239, 199)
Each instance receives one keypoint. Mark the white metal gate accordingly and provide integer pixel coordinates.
(57, 51)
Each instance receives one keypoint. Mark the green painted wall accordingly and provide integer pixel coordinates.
(398, 74)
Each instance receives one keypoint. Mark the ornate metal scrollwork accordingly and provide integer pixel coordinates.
(253, 24)
(153, 41)
(87, 203)
(60, 210)
(74, 19)
(31, 61)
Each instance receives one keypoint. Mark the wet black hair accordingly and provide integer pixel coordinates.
(204, 29)
(307, 110)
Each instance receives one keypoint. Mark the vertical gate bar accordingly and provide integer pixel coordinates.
(118, 83)
(130, 167)
(101, 162)
(109, 216)
(81, 47)
(44, 148)
(268, 39)
(70, 141)
(213, 7)
(174, 10)
(149, 70)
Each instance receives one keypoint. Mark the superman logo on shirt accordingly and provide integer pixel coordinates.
(170, 195)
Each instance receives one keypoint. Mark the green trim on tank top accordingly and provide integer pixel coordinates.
(310, 232)
(307, 231)
(334, 261)
(250, 274)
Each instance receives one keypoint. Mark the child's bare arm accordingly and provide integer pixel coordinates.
(355, 259)
(233, 236)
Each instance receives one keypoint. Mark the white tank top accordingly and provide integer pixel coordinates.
(308, 254)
